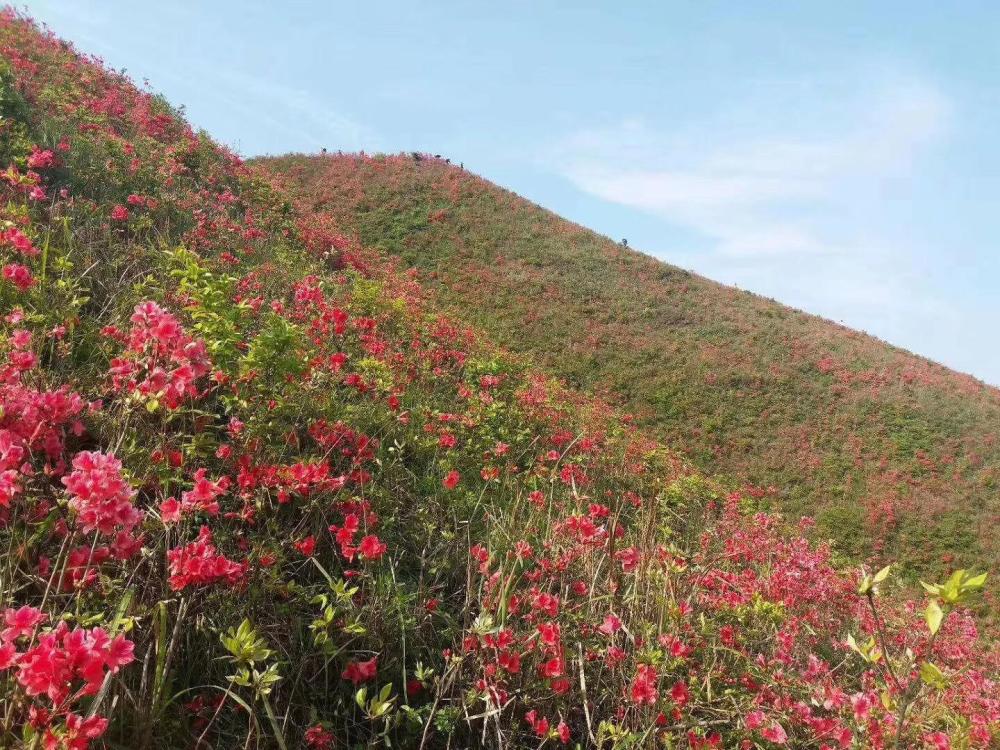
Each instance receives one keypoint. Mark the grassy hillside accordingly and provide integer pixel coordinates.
(256, 491)
(891, 453)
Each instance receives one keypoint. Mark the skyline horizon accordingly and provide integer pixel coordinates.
(853, 187)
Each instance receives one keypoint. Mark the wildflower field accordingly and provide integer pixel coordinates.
(258, 490)
(897, 458)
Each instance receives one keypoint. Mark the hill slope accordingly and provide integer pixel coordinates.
(255, 492)
(890, 452)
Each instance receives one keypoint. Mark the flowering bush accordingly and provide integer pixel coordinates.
(100, 495)
(160, 360)
(56, 670)
(259, 491)
(895, 456)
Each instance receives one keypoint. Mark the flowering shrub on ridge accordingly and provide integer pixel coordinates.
(256, 490)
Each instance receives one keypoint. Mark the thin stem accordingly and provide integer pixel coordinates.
(880, 633)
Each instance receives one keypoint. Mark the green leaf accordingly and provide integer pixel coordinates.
(355, 628)
(386, 692)
(958, 587)
(870, 651)
(951, 592)
(853, 643)
(930, 588)
(933, 615)
(865, 587)
(868, 582)
(933, 676)
(974, 582)
(882, 574)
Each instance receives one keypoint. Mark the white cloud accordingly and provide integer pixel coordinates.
(753, 195)
(791, 202)
(248, 112)
(295, 118)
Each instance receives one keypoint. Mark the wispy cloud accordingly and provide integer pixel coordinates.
(295, 117)
(753, 195)
(786, 195)
(219, 96)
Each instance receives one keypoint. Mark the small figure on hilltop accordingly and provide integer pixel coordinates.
(624, 242)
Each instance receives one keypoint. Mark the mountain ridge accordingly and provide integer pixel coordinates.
(880, 436)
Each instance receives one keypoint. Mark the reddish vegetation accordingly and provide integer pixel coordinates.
(256, 491)
(893, 454)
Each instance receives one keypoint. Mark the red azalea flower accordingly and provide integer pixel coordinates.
(306, 546)
(551, 668)
(199, 563)
(361, 671)
(371, 547)
(318, 738)
(679, 694)
(611, 625)
(19, 275)
(170, 511)
(644, 685)
(21, 622)
(39, 159)
(100, 495)
(775, 733)
(563, 730)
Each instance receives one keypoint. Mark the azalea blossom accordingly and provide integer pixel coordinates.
(371, 547)
(451, 479)
(100, 494)
(19, 275)
(774, 733)
(306, 546)
(361, 671)
(21, 622)
(611, 625)
(643, 689)
(199, 564)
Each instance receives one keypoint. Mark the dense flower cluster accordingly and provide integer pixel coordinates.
(100, 495)
(200, 564)
(31, 420)
(61, 666)
(318, 738)
(202, 497)
(68, 661)
(161, 361)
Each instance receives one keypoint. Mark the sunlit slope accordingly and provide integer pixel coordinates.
(889, 451)
(257, 491)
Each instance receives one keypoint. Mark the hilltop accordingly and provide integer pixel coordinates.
(258, 489)
(892, 454)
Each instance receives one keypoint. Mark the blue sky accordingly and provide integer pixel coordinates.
(839, 157)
